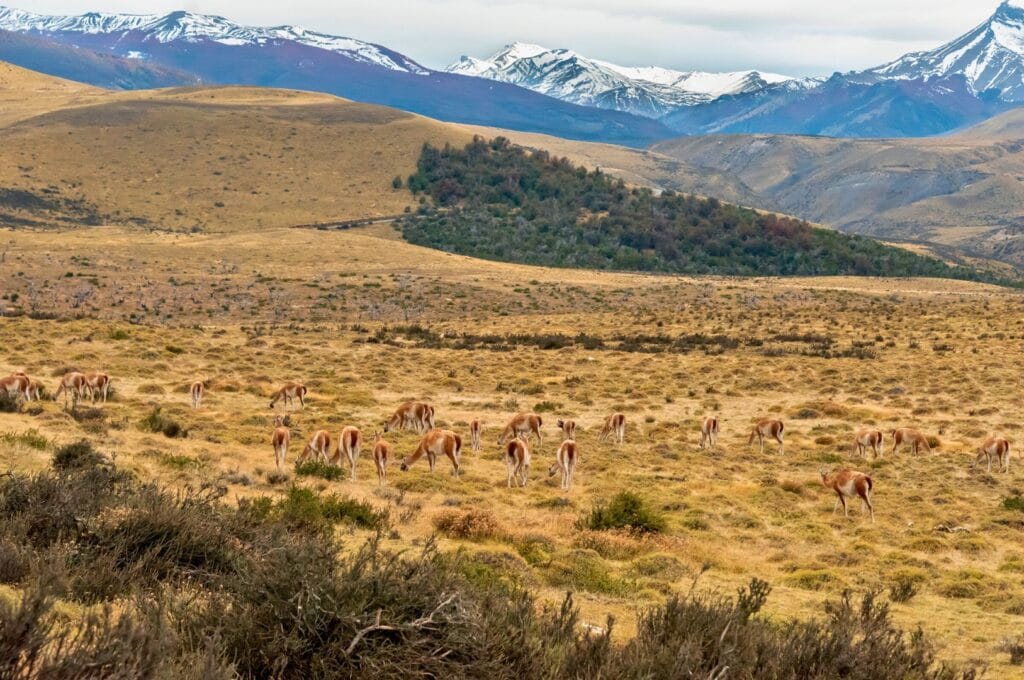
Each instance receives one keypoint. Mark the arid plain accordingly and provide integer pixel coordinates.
(368, 321)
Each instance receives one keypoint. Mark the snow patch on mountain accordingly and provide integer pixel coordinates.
(191, 27)
(570, 76)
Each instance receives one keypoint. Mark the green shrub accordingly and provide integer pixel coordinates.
(156, 421)
(304, 508)
(315, 468)
(1014, 503)
(626, 510)
(30, 438)
(80, 454)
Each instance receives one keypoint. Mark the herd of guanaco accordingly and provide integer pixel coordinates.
(515, 438)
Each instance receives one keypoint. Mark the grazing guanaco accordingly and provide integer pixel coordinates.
(768, 428)
(15, 386)
(614, 426)
(33, 389)
(349, 443)
(475, 430)
(417, 416)
(97, 383)
(565, 462)
(849, 484)
(381, 453)
(568, 428)
(709, 432)
(319, 445)
(289, 392)
(436, 443)
(72, 384)
(517, 461)
(911, 437)
(524, 425)
(197, 390)
(282, 436)
(994, 447)
(868, 439)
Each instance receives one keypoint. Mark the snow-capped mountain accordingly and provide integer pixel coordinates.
(569, 76)
(991, 57)
(187, 26)
(182, 48)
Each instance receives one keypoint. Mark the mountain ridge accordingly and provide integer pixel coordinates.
(214, 51)
(651, 91)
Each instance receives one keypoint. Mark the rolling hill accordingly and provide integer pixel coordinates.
(200, 158)
(963, 191)
(494, 200)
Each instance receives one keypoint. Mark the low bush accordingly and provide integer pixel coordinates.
(304, 508)
(9, 403)
(30, 438)
(157, 421)
(314, 468)
(80, 454)
(625, 510)
(475, 524)
(219, 592)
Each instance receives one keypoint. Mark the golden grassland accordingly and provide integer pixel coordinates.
(248, 312)
(207, 159)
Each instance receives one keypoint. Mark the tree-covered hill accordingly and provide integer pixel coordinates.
(497, 201)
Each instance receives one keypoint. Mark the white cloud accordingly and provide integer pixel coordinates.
(800, 37)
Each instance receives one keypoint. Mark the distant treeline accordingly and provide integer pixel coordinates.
(498, 201)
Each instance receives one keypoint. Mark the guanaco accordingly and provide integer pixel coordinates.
(436, 443)
(517, 461)
(565, 462)
(849, 484)
(768, 428)
(615, 427)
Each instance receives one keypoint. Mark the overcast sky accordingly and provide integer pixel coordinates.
(793, 37)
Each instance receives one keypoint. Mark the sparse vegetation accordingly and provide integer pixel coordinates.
(276, 598)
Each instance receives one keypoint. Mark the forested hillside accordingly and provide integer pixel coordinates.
(498, 201)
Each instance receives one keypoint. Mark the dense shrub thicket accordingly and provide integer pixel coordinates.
(188, 587)
(498, 201)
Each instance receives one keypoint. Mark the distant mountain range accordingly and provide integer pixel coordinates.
(533, 88)
(970, 79)
(647, 91)
(185, 48)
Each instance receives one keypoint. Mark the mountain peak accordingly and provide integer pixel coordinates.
(647, 90)
(192, 27)
(990, 57)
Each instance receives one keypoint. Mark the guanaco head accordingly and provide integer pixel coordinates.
(278, 421)
(377, 435)
(824, 476)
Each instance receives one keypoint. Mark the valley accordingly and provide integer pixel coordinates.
(385, 326)
(153, 235)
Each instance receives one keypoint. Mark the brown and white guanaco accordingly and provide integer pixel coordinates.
(566, 457)
(850, 484)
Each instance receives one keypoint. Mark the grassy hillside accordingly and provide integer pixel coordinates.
(499, 201)
(962, 190)
(209, 159)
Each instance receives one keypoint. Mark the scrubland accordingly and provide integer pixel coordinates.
(368, 322)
